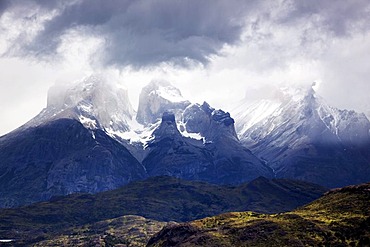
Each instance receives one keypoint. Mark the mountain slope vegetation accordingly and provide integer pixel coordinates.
(128, 230)
(158, 198)
(339, 218)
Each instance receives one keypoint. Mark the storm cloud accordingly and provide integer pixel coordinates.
(340, 17)
(145, 33)
(138, 33)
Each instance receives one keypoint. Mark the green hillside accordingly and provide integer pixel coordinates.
(340, 218)
(130, 230)
(159, 198)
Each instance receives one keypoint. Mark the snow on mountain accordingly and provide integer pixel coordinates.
(199, 122)
(155, 99)
(300, 136)
(223, 160)
(99, 103)
(299, 107)
(96, 102)
(192, 141)
(250, 113)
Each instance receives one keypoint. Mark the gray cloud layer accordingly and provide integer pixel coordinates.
(148, 32)
(340, 17)
(141, 33)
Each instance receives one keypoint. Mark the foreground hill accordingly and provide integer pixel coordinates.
(129, 230)
(158, 198)
(340, 218)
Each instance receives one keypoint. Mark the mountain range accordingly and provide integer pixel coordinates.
(90, 139)
(300, 136)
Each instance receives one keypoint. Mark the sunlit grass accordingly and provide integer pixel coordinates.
(340, 218)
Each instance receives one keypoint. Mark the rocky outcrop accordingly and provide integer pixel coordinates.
(210, 123)
(222, 161)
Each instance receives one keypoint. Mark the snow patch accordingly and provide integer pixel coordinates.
(249, 114)
(6, 240)
(169, 93)
(182, 128)
(88, 122)
(196, 136)
(137, 134)
(85, 107)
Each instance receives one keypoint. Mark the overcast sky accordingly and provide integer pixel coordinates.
(214, 50)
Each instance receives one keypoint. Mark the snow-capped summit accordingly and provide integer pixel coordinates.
(300, 107)
(300, 136)
(156, 98)
(96, 102)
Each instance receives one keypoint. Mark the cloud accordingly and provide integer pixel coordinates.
(3, 6)
(285, 44)
(137, 33)
(248, 46)
(146, 33)
(339, 17)
(345, 69)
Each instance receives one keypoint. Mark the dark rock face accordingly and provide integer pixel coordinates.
(172, 154)
(210, 123)
(59, 158)
(223, 160)
(196, 119)
(168, 128)
(168, 117)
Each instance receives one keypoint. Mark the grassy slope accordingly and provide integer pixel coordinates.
(160, 198)
(127, 230)
(340, 218)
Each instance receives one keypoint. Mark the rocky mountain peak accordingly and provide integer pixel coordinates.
(96, 89)
(96, 102)
(167, 127)
(222, 117)
(158, 97)
(207, 108)
(210, 123)
(168, 117)
(301, 131)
